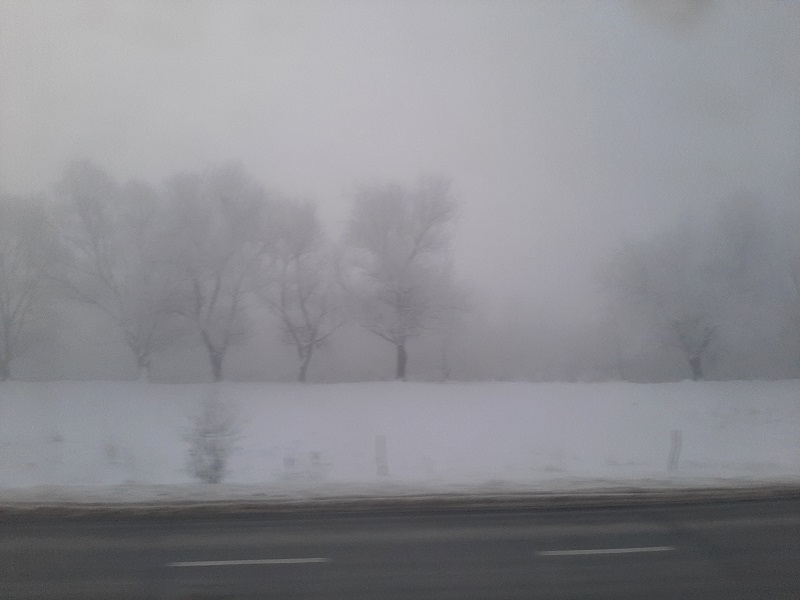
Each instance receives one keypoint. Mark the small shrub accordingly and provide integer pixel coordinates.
(212, 434)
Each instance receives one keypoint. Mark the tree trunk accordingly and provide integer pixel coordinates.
(696, 367)
(445, 361)
(305, 361)
(618, 348)
(216, 358)
(5, 369)
(143, 369)
(402, 361)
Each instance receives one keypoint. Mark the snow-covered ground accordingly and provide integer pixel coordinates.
(124, 442)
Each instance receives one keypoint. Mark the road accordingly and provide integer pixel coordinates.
(725, 551)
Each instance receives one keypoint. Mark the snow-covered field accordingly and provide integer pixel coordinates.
(124, 442)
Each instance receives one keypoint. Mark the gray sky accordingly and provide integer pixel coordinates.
(563, 124)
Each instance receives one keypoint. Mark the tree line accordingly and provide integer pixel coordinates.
(196, 261)
(189, 261)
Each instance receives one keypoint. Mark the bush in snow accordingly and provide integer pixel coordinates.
(211, 434)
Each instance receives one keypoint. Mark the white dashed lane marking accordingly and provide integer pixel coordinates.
(260, 561)
(605, 551)
(300, 561)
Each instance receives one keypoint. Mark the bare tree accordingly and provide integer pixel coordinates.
(670, 278)
(26, 250)
(218, 241)
(112, 234)
(700, 275)
(299, 283)
(401, 275)
(692, 335)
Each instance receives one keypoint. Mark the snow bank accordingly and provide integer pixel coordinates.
(123, 441)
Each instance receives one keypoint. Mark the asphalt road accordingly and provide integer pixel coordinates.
(721, 551)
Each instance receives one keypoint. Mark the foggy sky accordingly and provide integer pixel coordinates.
(563, 125)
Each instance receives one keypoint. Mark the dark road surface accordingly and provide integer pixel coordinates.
(719, 551)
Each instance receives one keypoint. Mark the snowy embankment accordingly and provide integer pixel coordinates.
(123, 443)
